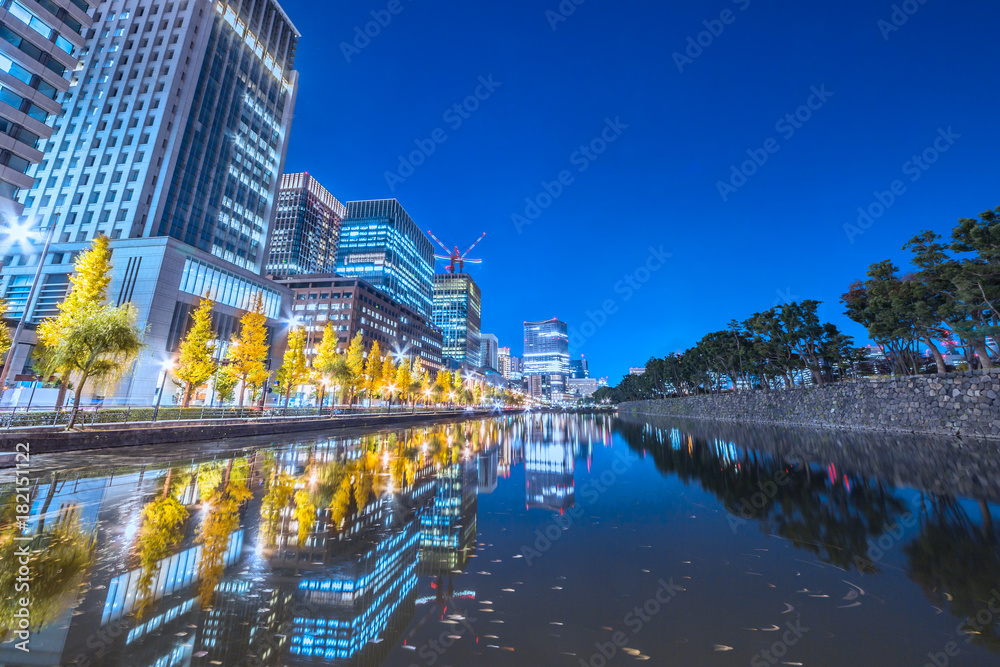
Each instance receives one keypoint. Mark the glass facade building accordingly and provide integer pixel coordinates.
(458, 314)
(306, 228)
(172, 141)
(490, 352)
(381, 244)
(546, 354)
(39, 50)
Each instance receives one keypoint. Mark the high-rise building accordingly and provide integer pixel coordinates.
(579, 369)
(352, 306)
(546, 355)
(490, 351)
(381, 244)
(171, 145)
(503, 362)
(42, 41)
(306, 228)
(458, 313)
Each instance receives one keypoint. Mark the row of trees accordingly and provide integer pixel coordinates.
(782, 347)
(950, 304)
(951, 301)
(90, 343)
(347, 377)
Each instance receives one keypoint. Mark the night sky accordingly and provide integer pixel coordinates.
(632, 127)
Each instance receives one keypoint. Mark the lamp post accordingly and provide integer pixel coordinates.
(16, 338)
(167, 367)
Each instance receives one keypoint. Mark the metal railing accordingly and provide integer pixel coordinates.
(14, 418)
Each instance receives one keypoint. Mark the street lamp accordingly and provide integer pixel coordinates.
(167, 367)
(20, 234)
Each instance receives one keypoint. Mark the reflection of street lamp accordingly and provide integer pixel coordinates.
(167, 367)
(20, 234)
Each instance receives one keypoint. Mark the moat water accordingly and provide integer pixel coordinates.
(541, 539)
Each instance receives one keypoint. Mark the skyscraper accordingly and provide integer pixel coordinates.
(171, 145)
(38, 56)
(380, 243)
(546, 355)
(503, 362)
(579, 369)
(458, 313)
(306, 228)
(490, 351)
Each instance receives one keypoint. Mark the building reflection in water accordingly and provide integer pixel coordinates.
(321, 558)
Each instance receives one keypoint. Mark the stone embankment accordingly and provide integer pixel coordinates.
(962, 404)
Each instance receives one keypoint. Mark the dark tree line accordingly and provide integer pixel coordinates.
(949, 304)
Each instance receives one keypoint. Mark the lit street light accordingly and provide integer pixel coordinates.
(20, 233)
(167, 367)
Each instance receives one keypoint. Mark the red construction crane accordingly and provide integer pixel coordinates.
(454, 258)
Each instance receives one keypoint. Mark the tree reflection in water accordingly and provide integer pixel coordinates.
(955, 561)
(222, 518)
(61, 557)
(831, 518)
(162, 529)
(957, 564)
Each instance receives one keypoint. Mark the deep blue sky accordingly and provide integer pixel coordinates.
(781, 235)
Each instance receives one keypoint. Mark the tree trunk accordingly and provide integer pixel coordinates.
(166, 483)
(188, 389)
(984, 355)
(936, 353)
(76, 401)
(243, 389)
(61, 397)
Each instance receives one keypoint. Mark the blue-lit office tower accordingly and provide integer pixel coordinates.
(546, 355)
(380, 243)
(458, 314)
(41, 41)
(172, 144)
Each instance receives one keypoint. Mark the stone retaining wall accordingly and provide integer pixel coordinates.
(951, 404)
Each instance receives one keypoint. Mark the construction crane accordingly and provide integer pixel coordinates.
(455, 259)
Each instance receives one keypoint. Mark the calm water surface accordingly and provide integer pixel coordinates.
(534, 540)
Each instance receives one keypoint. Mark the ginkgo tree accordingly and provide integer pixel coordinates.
(196, 359)
(248, 351)
(294, 367)
(87, 292)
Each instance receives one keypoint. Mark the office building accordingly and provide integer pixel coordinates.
(582, 387)
(490, 351)
(458, 313)
(306, 228)
(381, 244)
(354, 305)
(171, 145)
(42, 41)
(546, 357)
(503, 362)
(578, 368)
(637, 370)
